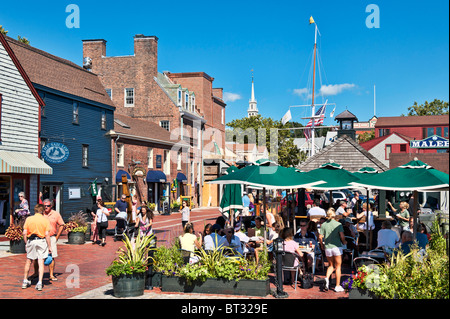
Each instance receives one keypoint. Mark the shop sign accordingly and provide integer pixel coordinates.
(55, 153)
(430, 142)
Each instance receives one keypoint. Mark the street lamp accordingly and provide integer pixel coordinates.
(278, 245)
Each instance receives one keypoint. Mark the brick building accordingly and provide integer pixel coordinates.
(185, 104)
(150, 159)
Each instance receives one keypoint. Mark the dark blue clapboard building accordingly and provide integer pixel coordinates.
(74, 121)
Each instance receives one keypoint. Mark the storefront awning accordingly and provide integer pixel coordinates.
(23, 163)
(119, 176)
(155, 177)
(181, 178)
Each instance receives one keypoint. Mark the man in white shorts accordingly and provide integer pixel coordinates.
(36, 234)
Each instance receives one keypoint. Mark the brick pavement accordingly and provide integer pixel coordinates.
(90, 262)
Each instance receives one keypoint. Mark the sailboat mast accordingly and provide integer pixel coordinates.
(313, 92)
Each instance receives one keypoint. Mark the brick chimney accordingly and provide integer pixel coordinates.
(145, 45)
(94, 49)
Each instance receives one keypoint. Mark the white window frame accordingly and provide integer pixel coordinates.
(126, 90)
(163, 126)
(166, 162)
(193, 102)
(186, 100)
(120, 154)
(150, 157)
(103, 120)
(76, 113)
(85, 155)
(179, 97)
(223, 115)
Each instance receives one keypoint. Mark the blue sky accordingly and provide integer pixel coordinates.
(406, 57)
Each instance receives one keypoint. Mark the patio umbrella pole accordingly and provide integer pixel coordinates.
(367, 220)
(416, 206)
(265, 219)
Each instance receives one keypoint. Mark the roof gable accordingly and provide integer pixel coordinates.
(21, 69)
(59, 74)
(346, 152)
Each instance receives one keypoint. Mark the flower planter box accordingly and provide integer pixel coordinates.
(358, 293)
(128, 285)
(217, 286)
(17, 246)
(76, 238)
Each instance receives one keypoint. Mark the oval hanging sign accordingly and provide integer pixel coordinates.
(55, 153)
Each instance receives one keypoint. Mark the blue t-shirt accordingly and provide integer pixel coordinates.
(422, 240)
(245, 201)
(121, 205)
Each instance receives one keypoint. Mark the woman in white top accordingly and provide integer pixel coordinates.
(362, 225)
(144, 221)
(102, 221)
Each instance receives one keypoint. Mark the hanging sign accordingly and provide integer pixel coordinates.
(55, 153)
(430, 142)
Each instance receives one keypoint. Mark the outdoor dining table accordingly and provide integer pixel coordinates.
(306, 250)
(378, 255)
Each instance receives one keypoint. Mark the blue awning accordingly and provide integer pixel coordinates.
(181, 178)
(155, 177)
(119, 176)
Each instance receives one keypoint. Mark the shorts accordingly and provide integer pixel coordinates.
(54, 248)
(36, 249)
(335, 251)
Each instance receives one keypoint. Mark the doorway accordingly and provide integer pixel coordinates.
(53, 191)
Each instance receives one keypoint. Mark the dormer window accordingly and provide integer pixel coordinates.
(179, 94)
(193, 103)
(186, 100)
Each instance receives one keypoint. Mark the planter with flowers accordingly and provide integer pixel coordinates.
(128, 270)
(15, 235)
(76, 228)
(214, 272)
(358, 285)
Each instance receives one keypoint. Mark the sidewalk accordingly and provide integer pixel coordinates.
(80, 269)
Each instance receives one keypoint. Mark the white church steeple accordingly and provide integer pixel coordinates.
(252, 107)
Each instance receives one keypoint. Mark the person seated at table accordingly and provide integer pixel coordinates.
(316, 210)
(407, 242)
(291, 246)
(259, 228)
(214, 239)
(304, 238)
(421, 238)
(273, 234)
(387, 238)
(232, 243)
(366, 212)
(189, 241)
(342, 209)
(245, 240)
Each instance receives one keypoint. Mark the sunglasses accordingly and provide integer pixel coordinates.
(48, 205)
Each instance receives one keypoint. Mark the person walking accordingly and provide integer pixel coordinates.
(22, 212)
(331, 238)
(144, 221)
(102, 221)
(56, 228)
(36, 234)
(185, 214)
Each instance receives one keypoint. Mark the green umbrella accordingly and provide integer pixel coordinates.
(334, 175)
(415, 175)
(268, 176)
(231, 198)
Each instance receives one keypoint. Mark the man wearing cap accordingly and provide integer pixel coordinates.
(36, 234)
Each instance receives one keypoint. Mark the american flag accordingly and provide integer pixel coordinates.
(317, 121)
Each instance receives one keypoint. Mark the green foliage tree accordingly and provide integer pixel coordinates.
(23, 40)
(2, 30)
(437, 107)
(264, 131)
(366, 136)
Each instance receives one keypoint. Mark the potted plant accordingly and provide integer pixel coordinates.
(15, 235)
(175, 206)
(129, 268)
(213, 273)
(76, 228)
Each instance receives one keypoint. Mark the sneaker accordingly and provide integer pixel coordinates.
(39, 287)
(326, 284)
(26, 284)
(339, 289)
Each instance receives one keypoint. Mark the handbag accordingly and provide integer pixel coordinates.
(306, 281)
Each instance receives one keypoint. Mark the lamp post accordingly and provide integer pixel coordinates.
(279, 250)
